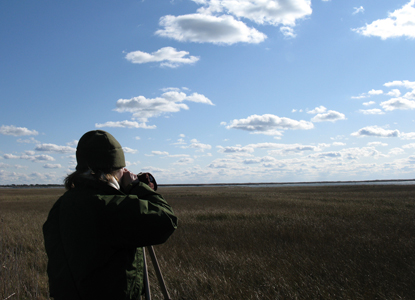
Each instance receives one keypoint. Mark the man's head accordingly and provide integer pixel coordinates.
(99, 150)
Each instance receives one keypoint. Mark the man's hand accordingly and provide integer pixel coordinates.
(127, 178)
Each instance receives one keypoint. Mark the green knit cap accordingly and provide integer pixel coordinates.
(99, 150)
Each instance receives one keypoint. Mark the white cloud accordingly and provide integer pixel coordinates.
(396, 151)
(318, 110)
(178, 155)
(409, 146)
(405, 83)
(358, 10)
(275, 148)
(125, 124)
(372, 92)
(73, 143)
(220, 22)
(54, 148)
(180, 142)
(169, 102)
(10, 156)
(30, 156)
(331, 154)
(198, 98)
(288, 31)
(273, 12)
(377, 144)
(374, 111)
(226, 164)
(184, 161)
(360, 96)
(52, 166)
(399, 23)
(235, 149)
(129, 150)
(376, 131)
(268, 124)
(167, 56)
(410, 95)
(202, 28)
(287, 149)
(165, 153)
(375, 92)
(357, 153)
(16, 131)
(28, 141)
(398, 103)
(266, 145)
(257, 160)
(369, 103)
(38, 158)
(331, 116)
(394, 93)
(195, 144)
(408, 136)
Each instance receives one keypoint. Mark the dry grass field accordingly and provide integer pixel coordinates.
(337, 242)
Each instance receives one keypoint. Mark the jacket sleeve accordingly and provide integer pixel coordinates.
(141, 218)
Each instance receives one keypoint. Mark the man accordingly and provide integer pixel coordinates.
(95, 232)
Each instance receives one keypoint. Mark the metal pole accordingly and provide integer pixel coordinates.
(146, 281)
(158, 273)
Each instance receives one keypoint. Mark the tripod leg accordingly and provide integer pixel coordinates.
(158, 273)
(146, 282)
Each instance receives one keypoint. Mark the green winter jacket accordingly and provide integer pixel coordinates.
(94, 236)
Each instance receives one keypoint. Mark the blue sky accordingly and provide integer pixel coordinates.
(208, 91)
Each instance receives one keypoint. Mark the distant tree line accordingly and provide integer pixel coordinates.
(30, 185)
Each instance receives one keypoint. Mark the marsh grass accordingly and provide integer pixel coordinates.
(339, 242)
(22, 256)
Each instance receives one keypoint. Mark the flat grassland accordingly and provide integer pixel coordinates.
(331, 242)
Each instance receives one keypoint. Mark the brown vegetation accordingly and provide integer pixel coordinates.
(338, 242)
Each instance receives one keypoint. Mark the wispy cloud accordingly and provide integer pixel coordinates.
(144, 108)
(398, 103)
(376, 131)
(31, 140)
(52, 166)
(167, 57)
(54, 148)
(357, 10)
(195, 144)
(369, 94)
(202, 28)
(398, 23)
(124, 124)
(322, 115)
(220, 22)
(374, 111)
(401, 83)
(261, 12)
(268, 124)
(235, 149)
(129, 150)
(30, 156)
(16, 131)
